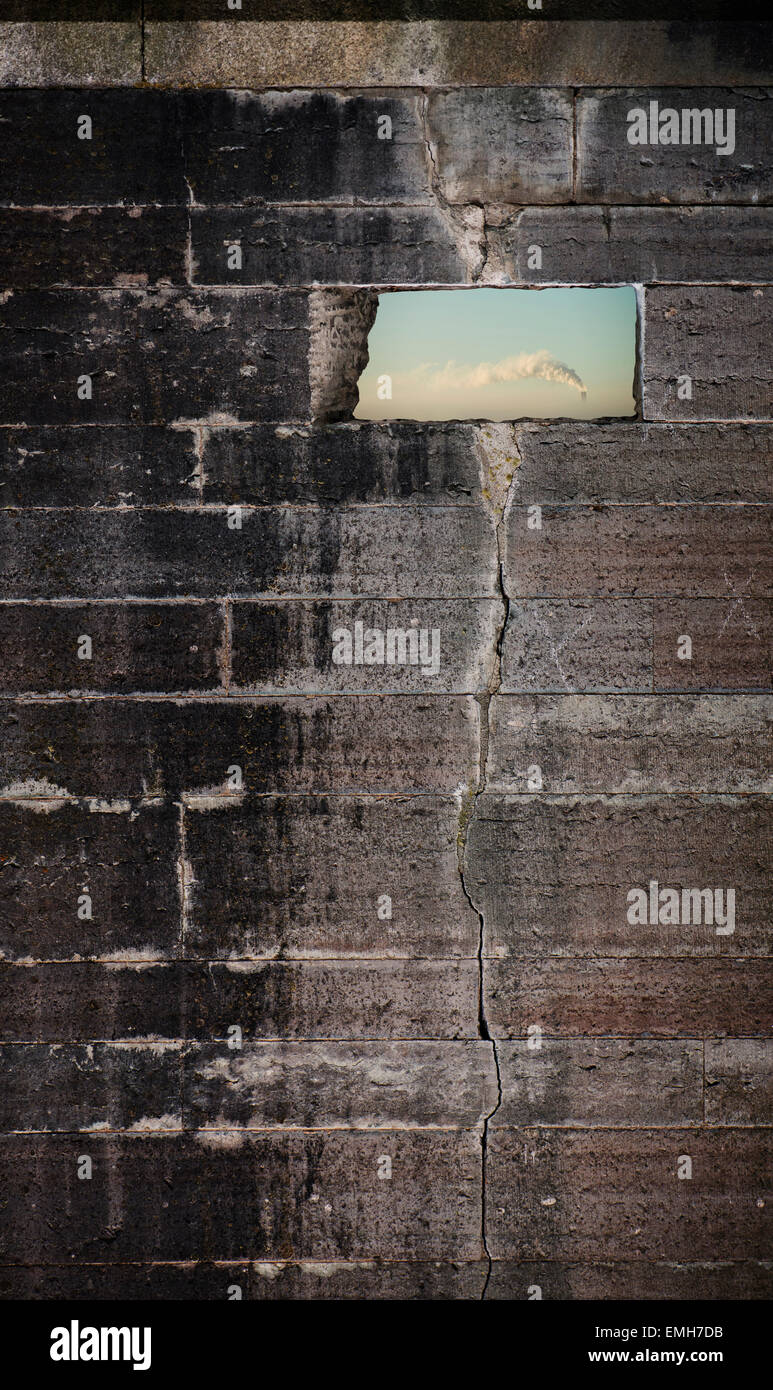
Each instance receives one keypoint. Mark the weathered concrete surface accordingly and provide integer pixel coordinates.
(398, 461)
(633, 744)
(322, 1086)
(720, 337)
(93, 246)
(394, 1279)
(116, 748)
(580, 1195)
(258, 1197)
(122, 856)
(592, 645)
(84, 466)
(439, 645)
(159, 552)
(656, 1280)
(310, 876)
(732, 644)
(90, 1001)
(364, 889)
(335, 999)
(579, 1082)
(435, 53)
(69, 54)
(153, 356)
(305, 147)
(551, 875)
(739, 1081)
(659, 998)
(501, 145)
(580, 463)
(100, 1087)
(134, 154)
(612, 170)
(267, 1280)
(593, 245)
(332, 246)
(687, 551)
(134, 647)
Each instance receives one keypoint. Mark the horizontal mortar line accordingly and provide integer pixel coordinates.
(386, 285)
(193, 1044)
(439, 1040)
(268, 597)
(265, 597)
(660, 1127)
(383, 89)
(228, 699)
(251, 1263)
(409, 285)
(698, 420)
(322, 1042)
(232, 698)
(632, 596)
(532, 423)
(612, 958)
(453, 1261)
(141, 799)
(298, 693)
(245, 965)
(235, 963)
(634, 691)
(714, 690)
(575, 504)
(53, 697)
(310, 427)
(191, 1129)
(188, 799)
(218, 508)
(177, 1044)
(502, 790)
(193, 600)
(191, 800)
(418, 504)
(354, 203)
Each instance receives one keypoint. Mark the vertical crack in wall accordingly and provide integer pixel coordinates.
(498, 460)
(466, 224)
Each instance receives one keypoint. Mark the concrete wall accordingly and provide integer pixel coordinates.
(490, 1086)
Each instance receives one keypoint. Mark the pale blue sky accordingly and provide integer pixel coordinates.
(430, 342)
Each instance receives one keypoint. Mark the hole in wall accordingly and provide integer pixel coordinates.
(501, 354)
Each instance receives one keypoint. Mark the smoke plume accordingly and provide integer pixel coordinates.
(526, 364)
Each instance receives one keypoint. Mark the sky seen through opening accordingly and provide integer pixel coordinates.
(501, 354)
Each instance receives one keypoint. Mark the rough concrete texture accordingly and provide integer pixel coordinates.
(550, 875)
(454, 54)
(616, 1194)
(687, 170)
(619, 744)
(327, 961)
(618, 244)
(48, 54)
(679, 382)
(296, 854)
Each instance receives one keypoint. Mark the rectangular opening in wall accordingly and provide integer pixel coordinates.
(501, 354)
